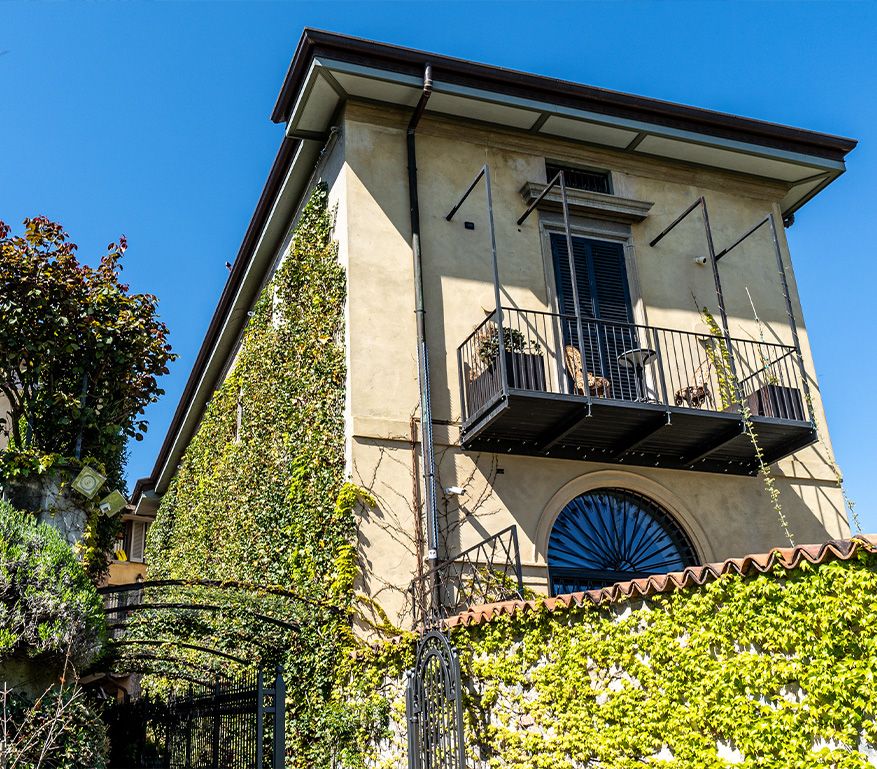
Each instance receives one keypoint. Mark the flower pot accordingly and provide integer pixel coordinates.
(772, 400)
(525, 371)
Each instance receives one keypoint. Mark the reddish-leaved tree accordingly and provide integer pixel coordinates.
(80, 355)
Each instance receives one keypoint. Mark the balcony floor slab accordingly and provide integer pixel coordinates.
(635, 433)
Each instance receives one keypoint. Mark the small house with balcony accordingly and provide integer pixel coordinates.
(574, 340)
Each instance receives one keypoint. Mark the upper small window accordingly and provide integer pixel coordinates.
(579, 179)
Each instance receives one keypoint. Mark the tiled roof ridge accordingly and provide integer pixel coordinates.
(787, 558)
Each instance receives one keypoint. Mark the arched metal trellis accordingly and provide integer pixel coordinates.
(613, 535)
(434, 706)
(220, 598)
(233, 716)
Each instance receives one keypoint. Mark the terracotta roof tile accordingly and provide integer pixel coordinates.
(694, 576)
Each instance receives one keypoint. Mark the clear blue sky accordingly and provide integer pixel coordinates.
(151, 119)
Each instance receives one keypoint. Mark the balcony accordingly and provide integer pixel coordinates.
(629, 394)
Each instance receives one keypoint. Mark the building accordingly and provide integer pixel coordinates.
(127, 561)
(610, 433)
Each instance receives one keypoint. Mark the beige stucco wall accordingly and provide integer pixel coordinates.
(725, 516)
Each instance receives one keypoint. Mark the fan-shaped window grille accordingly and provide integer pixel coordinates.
(613, 535)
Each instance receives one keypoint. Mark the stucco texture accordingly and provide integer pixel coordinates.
(725, 516)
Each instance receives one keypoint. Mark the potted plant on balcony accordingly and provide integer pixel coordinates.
(524, 364)
(772, 399)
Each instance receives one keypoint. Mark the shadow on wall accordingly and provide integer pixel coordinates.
(711, 508)
(387, 541)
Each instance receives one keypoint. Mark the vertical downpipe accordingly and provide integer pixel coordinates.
(426, 441)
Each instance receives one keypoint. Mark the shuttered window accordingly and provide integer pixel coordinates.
(604, 295)
(138, 541)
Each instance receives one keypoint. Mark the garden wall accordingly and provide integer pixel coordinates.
(768, 661)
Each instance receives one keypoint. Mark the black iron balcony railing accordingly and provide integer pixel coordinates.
(628, 362)
(664, 375)
(485, 573)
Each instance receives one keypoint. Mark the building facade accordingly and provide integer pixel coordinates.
(592, 399)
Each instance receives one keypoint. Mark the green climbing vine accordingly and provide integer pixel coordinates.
(769, 671)
(731, 394)
(260, 496)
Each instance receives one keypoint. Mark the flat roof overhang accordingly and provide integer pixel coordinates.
(328, 69)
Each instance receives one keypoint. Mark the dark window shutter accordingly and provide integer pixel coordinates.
(563, 279)
(612, 298)
(601, 278)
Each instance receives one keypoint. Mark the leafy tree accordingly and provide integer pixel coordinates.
(79, 353)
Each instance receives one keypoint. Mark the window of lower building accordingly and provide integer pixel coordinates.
(613, 535)
(131, 544)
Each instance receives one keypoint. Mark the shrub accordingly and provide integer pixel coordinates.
(49, 608)
(59, 730)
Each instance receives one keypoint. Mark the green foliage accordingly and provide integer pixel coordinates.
(79, 354)
(48, 606)
(731, 393)
(17, 468)
(59, 730)
(720, 359)
(260, 494)
(513, 341)
(779, 667)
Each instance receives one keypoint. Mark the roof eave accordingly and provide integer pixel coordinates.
(195, 383)
(515, 83)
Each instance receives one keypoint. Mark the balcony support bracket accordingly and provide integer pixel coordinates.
(639, 436)
(719, 441)
(562, 429)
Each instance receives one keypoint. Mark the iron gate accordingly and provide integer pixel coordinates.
(230, 727)
(434, 706)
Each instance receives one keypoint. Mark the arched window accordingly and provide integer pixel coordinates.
(612, 535)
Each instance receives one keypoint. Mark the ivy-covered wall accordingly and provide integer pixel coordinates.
(260, 496)
(775, 671)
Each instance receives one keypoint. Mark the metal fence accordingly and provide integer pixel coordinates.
(554, 353)
(237, 724)
(488, 572)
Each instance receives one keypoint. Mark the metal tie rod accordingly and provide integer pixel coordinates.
(676, 221)
(467, 192)
(548, 187)
(739, 240)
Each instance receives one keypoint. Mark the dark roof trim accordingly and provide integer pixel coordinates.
(314, 43)
(276, 176)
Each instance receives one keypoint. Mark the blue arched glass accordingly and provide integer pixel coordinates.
(613, 535)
